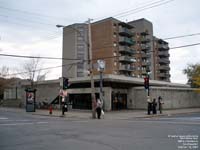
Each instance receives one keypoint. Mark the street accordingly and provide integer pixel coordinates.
(26, 131)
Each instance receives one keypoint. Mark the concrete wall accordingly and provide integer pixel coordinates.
(173, 97)
(45, 92)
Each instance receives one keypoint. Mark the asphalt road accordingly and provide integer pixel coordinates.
(22, 131)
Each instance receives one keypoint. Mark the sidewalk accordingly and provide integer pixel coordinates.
(113, 115)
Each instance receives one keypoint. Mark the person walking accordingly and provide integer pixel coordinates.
(154, 105)
(160, 103)
(98, 109)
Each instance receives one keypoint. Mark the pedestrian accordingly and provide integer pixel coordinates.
(98, 108)
(154, 105)
(160, 103)
(149, 107)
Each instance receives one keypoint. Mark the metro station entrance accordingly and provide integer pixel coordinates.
(81, 101)
(119, 101)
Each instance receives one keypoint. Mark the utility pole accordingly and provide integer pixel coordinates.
(91, 70)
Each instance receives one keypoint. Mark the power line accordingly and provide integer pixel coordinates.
(31, 13)
(23, 19)
(82, 61)
(107, 57)
(189, 45)
(48, 68)
(145, 7)
(139, 9)
(182, 36)
(25, 56)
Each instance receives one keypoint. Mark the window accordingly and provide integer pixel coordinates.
(115, 34)
(80, 55)
(80, 38)
(79, 74)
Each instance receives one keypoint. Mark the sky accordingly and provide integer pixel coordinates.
(28, 27)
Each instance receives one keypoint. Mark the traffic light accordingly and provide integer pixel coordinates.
(65, 83)
(146, 83)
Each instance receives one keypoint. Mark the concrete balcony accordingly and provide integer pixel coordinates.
(145, 33)
(126, 50)
(163, 53)
(145, 55)
(126, 59)
(125, 31)
(145, 40)
(144, 72)
(126, 68)
(164, 67)
(144, 64)
(126, 41)
(163, 47)
(163, 61)
(145, 47)
(163, 75)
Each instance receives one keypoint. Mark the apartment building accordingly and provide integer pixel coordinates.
(161, 60)
(129, 49)
(143, 36)
(112, 41)
(75, 49)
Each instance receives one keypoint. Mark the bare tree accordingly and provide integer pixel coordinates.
(5, 80)
(32, 70)
(4, 72)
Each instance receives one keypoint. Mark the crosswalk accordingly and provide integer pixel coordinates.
(5, 121)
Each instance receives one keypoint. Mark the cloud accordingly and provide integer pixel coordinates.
(29, 34)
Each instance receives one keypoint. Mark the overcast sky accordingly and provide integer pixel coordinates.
(28, 27)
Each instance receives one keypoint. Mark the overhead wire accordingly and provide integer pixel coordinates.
(82, 61)
(146, 8)
(31, 13)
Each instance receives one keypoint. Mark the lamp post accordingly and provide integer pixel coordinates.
(89, 44)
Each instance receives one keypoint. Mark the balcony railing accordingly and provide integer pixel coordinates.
(164, 75)
(126, 68)
(126, 50)
(163, 47)
(125, 31)
(144, 33)
(144, 72)
(145, 40)
(164, 61)
(163, 53)
(145, 55)
(163, 67)
(126, 41)
(126, 59)
(145, 47)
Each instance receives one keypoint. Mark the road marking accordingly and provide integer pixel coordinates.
(181, 118)
(25, 123)
(168, 122)
(16, 124)
(41, 122)
(79, 121)
(3, 118)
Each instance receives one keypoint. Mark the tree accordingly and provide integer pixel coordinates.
(32, 71)
(193, 74)
(5, 81)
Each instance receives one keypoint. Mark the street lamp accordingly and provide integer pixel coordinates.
(89, 44)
